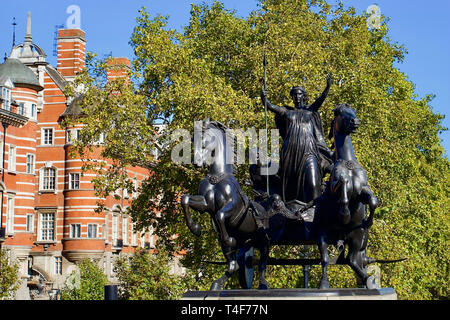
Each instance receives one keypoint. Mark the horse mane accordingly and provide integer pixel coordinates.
(337, 111)
(226, 131)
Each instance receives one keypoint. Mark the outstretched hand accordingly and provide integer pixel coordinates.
(329, 79)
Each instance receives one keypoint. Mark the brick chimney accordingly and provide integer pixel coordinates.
(118, 68)
(71, 52)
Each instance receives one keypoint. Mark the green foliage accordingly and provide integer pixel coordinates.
(213, 69)
(89, 283)
(146, 276)
(9, 276)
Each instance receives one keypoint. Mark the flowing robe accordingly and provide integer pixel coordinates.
(302, 133)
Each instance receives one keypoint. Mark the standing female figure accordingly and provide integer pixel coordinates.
(305, 156)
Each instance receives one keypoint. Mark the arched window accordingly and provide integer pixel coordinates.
(48, 179)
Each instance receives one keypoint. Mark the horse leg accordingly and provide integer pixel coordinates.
(357, 241)
(344, 211)
(233, 266)
(324, 261)
(197, 203)
(264, 257)
(339, 188)
(367, 197)
(221, 216)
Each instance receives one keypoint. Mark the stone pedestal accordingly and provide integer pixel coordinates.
(294, 294)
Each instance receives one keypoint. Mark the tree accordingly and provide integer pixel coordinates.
(213, 69)
(9, 276)
(146, 276)
(86, 283)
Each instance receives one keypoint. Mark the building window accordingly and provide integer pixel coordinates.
(47, 136)
(10, 215)
(21, 109)
(74, 181)
(135, 187)
(30, 163)
(12, 158)
(33, 111)
(58, 265)
(151, 237)
(72, 135)
(6, 98)
(125, 230)
(30, 222)
(115, 229)
(48, 179)
(47, 227)
(92, 231)
(143, 239)
(102, 138)
(75, 231)
(134, 236)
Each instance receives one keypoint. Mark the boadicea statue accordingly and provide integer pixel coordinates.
(307, 212)
(305, 156)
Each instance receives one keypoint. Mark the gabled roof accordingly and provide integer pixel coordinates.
(56, 77)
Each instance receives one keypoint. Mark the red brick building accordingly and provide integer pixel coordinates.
(48, 218)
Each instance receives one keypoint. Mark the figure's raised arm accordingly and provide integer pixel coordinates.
(318, 103)
(271, 107)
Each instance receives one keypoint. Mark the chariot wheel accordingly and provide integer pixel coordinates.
(246, 270)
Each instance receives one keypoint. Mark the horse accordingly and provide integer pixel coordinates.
(221, 196)
(341, 212)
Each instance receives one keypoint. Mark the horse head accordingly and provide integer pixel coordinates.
(211, 146)
(345, 120)
(215, 146)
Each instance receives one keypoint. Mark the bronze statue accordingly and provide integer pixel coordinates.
(305, 156)
(342, 210)
(337, 217)
(306, 212)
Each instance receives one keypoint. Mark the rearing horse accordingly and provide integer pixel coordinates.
(342, 211)
(221, 196)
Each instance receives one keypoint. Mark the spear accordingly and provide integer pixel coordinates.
(267, 130)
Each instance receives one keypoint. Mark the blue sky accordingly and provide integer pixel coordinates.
(422, 26)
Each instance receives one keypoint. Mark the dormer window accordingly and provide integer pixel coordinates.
(6, 98)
